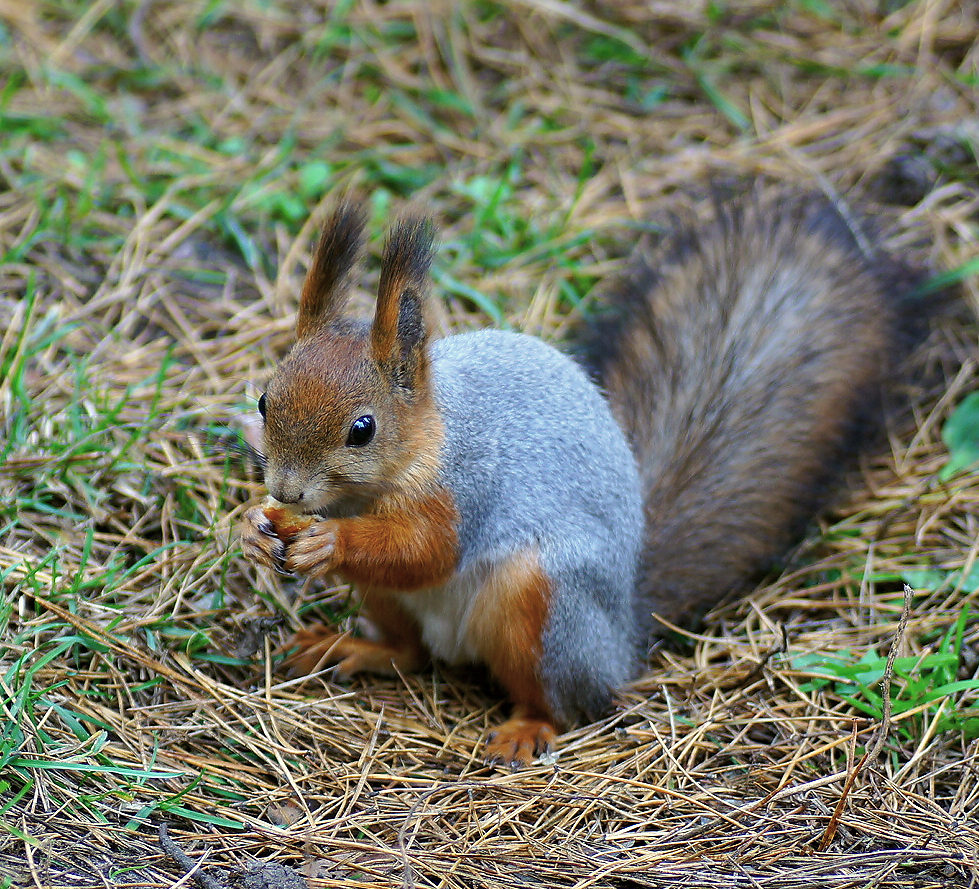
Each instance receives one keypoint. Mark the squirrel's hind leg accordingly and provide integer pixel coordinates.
(506, 627)
(398, 650)
(563, 644)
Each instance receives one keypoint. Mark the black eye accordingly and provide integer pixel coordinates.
(261, 405)
(361, 431)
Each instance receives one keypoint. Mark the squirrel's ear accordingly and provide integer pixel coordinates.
(327, 283)
(399, 333)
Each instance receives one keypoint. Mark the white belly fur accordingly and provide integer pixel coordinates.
(443, 614)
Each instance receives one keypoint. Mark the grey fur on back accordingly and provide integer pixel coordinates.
(534, 458)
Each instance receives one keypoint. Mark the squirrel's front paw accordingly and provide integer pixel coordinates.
(259, 542)
(313, 553)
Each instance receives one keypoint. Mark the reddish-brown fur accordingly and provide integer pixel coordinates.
(506, 627)
(406, 545)
(399, 650)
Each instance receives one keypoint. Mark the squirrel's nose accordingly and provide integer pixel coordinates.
(285, 488)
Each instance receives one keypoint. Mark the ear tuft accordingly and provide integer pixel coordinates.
(407, 258)
(327, 283)
(399, 330)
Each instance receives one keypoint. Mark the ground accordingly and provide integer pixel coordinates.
(164, 170)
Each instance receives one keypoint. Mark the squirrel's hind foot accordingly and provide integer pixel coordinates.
(320, 646)
(520, 740)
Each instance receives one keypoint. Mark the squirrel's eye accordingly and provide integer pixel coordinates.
(361, 431)
(261, 405)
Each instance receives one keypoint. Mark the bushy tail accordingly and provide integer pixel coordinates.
(745, 359)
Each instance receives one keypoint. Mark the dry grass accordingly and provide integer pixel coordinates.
(159, 161)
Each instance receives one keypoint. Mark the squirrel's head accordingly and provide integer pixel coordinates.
(348, 415)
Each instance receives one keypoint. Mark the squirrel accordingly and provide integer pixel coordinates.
(496, 501)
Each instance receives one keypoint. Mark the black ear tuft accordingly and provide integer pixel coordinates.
(327, 283)
(407, 257)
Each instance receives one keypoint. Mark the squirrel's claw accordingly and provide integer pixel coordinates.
(259, 542)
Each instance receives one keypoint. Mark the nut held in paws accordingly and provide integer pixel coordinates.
(286, 521)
